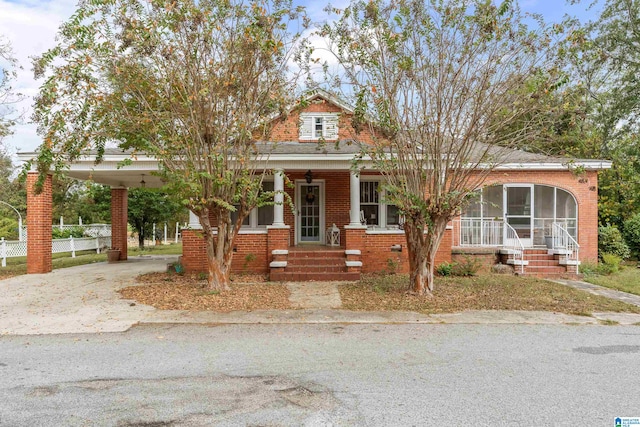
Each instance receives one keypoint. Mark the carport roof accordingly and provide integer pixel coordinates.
(288, 155)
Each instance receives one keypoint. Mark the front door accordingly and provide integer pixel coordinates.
(310, 208)
(518, 208)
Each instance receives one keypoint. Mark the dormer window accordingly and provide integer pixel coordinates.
(318, 126)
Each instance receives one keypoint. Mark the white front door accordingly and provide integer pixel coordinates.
(518, 208)
(310, 213)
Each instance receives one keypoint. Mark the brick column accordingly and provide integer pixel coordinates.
(39, 221)
(119, 221)
(194, 251)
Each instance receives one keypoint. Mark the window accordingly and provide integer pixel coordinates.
(550, 204)
(376, 212)
(370, 202)
(258, 217)
(314, 126)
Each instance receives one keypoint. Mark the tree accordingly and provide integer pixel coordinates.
(192, 83)
(148, 207)
(444, 86)
(8, 96)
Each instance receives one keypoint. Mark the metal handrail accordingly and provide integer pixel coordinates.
(516, 248)
(561, 239)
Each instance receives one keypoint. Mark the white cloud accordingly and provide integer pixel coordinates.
(31, 27)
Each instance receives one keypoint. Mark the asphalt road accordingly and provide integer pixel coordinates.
(317, 375)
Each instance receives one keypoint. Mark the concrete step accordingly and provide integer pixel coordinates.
(320, 277)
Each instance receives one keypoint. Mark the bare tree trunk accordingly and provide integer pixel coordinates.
(141, 238)
(218, 261)
(422, 255)
(417, 262)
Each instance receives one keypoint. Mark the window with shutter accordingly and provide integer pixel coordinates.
(314, 126)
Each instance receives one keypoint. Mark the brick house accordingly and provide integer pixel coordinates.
(534, 212)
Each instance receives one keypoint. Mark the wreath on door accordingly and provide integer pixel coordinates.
(310, 197)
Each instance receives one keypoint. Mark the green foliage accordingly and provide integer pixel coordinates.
(632, 234)
(445, 269)
(193, 84)
(147, 207)
(75, 232)
(248, 258)
(392, 265)
(610, 263)
(441, 86)
(8, 228)
(469, 267)
(610, 241)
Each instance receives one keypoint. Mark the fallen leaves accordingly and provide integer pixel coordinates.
(167, 291)
(486, 292)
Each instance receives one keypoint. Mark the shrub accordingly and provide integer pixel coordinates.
(632, 234)
(468, 267)
(588, 268)
(610, 264)
(444, 269)
(65, 233)
(610, 241)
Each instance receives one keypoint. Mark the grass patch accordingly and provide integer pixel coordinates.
(172, 249)
(17, 266)
(485, 292)
(608, 322)
(625, 280)
(166, 291)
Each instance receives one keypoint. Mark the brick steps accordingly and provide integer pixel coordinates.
(541, 264)
(316, 264)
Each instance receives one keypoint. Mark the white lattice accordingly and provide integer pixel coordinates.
(14, 248)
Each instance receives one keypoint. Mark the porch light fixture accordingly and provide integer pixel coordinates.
(308, 176)
(143, 183)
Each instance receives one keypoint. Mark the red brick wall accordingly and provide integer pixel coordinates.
(378, 257)
(119, 219)
(39, 220)
(288, 130)
(584, 188)
(194, 253)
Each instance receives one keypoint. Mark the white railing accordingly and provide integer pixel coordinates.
(514, 246)
(477, 232)
(565, 245)
(15, 248)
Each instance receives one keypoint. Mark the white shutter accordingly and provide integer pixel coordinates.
(306, 128)
(331, 127)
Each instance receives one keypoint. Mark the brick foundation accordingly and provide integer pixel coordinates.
(39, 220)
(249, 256)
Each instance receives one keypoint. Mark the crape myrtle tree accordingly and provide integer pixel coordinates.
(191, 82)
(444, 86)
(8, 96)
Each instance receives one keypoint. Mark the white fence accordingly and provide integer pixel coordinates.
(92, 230)
(15, 248)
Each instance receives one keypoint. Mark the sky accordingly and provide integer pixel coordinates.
(31, 27)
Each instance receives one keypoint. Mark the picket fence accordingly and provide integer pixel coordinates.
(16, 248)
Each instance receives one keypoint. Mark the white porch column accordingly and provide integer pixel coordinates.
(354, 213)
(194, 221)
(278, 207)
